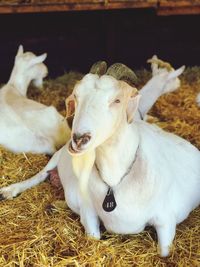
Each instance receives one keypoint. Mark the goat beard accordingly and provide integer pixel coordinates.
(82, 166)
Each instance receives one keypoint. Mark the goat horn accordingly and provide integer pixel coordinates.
(121, 72)
(99, 68)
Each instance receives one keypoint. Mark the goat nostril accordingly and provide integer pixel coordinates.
(80, 140)
(86, 138)
(75, 138)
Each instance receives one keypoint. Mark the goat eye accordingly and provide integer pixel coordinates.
(117, 101)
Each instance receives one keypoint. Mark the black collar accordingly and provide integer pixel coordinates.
(109, 203)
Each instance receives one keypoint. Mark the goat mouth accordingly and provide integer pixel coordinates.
(72, 150)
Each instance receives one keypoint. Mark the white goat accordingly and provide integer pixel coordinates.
(26, 125)
(144, 169)
(160, 83)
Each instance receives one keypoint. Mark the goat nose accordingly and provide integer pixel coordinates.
(81, 139)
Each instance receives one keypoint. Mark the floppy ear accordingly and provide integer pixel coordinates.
(132, 98)
(38, 59)
(132, 107)
(70, 110)
(70, 106)
(175, 73)
(20, 51)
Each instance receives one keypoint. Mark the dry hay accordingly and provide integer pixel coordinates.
(37, 229)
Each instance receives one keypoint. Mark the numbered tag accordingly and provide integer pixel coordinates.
(109, 203)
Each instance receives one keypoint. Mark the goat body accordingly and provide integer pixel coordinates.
(163, 185)
(161, 189)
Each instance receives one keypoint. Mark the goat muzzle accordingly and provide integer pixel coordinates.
(81, 140)
(71, 149)
(78, 142)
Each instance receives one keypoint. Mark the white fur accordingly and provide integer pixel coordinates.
(157, 69)
(26, 125)
(163, 81)
(162, 186)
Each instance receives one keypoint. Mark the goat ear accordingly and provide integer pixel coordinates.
(131, 95)
(175, 73)
(70, 110)
(70, 106)
(132, 98)
(154, 65)
(38, 59)
(132, 106)
(20, 51)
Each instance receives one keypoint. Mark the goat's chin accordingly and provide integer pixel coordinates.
(74, 151)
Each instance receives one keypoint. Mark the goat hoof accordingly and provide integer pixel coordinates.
(7, 192)
(164, 252)
(94, 236)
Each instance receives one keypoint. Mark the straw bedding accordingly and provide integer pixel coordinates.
(37, 229)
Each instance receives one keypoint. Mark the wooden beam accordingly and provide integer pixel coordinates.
(163, 7)
(73, 6)
(168, 11)
(179, 3)
(180, 7)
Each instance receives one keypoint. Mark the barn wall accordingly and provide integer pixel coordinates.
(74, 40)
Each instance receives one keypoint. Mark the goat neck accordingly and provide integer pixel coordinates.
(151, 91)
(19, 81)
(115, 156)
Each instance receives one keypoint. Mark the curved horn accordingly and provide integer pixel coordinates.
(121, 72)
(99, 68)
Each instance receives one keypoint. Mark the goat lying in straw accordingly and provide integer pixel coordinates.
(160, 83)
(26, 125)
(127, 172)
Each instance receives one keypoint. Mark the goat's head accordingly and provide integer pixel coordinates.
(100, 104)
(30, 66)
(165, 74)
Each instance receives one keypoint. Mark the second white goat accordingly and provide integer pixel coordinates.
(26, 125)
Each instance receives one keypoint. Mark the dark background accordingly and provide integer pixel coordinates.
(75, 40)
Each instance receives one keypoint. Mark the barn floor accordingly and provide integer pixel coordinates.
(37, 229)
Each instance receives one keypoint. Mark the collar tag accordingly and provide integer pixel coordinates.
(109, 203)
